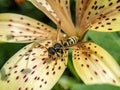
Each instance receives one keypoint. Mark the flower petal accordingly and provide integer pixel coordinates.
(101, 15)
(45, 7)
(32, 69)
(81, 6)
(19, 28)
(94, 65)
(58, 12)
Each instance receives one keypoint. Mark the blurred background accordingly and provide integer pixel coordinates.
(70, 80)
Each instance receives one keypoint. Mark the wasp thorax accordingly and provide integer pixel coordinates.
(58, 46)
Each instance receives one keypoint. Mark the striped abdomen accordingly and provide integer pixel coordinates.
(71, 41)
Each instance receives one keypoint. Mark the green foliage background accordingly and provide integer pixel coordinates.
(70, 80)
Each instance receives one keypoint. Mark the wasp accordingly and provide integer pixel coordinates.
(58, 47)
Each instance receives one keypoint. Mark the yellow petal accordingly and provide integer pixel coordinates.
(81, 6)
(32, 69)
(45, 7)
(58, 12)
(101, 15)
(95, 66)
(19, 28)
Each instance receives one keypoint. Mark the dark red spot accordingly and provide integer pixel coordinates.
(96, 60)
(107, 19)
(55, 63)
(26, 88)
(53, 69)
(95, 46)
(74, 57)
(102, 57)
(91, 78)
(117, 7)
(96, 27)
(108, 23)
(10, 67)
(42, 80)
(95, 2)
(96, 73)
(96, 7)
(11, 20)
(95, 52)
(62, 59)
(110, 4)
(88, 47)
(40, 86)
(44, 62)
(24, 76)
(15, 72)
(38, 23)
(82, 65)
(38, 27)
(26, 58)
(104, 71)
(59, 67)
(99, 22)
(89, 55)
(114, 81)
(89, 13)
(8, 81)
(85, 58)
(113, 19)
(43, 58)
(54, 73)
(19, 88)
(21, 18)
(34, 67)
(33, 59)
(109, 28)
(33, 72)
(9, 74)
(45, 82)
(87, 65)
(9, 25)
(17, 77)
(47, 73)
(102, 25)
(26, 80)
(118, 1)
(15, 66)
(35, 78)
(47, 67)
(38, 78)
(27, 29)
(22, 70)
(28, 24)
(31, 88)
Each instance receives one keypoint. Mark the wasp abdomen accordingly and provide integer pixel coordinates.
(70, 41)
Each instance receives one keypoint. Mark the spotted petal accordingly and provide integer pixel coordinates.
(94, 65)
(58, 12)
(99, 15)
(19, 28)
(32, 69)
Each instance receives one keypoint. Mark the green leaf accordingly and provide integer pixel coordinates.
(109, 41)
(95, 87)
(7, 50)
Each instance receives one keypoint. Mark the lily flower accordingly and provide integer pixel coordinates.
(32, 68)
